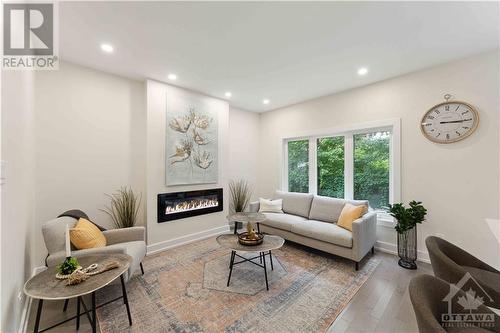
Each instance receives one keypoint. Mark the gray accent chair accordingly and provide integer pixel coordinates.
(450, 263)
(311, 220)
(129, 241)
(427, 294)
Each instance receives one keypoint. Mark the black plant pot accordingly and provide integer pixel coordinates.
(407, 248)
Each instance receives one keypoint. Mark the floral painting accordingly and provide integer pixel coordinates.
(191, 143)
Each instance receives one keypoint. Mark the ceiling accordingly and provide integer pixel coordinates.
(286, 52)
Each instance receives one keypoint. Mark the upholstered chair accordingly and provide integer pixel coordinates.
(129, 241)
(450, 263)
(427, 294)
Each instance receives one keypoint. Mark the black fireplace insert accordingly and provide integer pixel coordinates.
(179, 205)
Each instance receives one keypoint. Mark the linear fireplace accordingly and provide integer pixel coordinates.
(179, 205)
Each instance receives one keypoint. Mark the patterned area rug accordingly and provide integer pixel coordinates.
(184, 290)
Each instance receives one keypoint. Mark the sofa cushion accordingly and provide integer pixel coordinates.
(326, 209)
(282, 221)
(324, 231)
(295, 203)
(349, 214)
(270, 206)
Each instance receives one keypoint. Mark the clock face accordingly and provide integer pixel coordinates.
(449, 122)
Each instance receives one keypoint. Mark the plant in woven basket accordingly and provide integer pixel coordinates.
(240, 195)
(68, 266)
(124, 207)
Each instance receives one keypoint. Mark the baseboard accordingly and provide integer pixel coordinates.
(171, 243)
(25, 316)
(422, 256)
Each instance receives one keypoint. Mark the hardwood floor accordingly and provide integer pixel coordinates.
(381, 305)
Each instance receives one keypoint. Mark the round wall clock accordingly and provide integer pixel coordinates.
(450, 121)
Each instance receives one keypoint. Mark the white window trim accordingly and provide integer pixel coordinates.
(394, 125)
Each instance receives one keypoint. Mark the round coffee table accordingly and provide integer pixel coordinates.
(252, 217)
(264, 249)
(45, 286)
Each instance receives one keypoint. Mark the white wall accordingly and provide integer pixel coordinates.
(458, 183)
(163, 234)
(18, 193)
(244, 147)
(90, 140)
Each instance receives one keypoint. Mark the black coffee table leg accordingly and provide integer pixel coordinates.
(125, 298)
(236, 226)
(94, 316)
(38, 315)
(265, 270)
(78, 313)
(231, 266)
(65, 307)
(271, 258)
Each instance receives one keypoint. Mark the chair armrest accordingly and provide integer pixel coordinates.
(58, 257)
(254, 207)
(364, 234)
(115, 236)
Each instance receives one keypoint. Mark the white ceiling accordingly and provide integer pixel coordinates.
(284, 51)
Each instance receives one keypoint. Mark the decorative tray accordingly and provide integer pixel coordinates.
(245, 239)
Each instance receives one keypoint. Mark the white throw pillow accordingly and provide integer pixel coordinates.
(271, 206)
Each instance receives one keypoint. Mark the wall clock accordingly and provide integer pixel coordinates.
(450, 121)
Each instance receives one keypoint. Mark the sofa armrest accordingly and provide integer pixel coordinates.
(364, 234)
(115, 236)
(254, 207)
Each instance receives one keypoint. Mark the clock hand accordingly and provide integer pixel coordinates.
(454, 121)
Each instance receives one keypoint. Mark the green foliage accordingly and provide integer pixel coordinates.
(298, 166)
(240, 195)
(330, 152)
(371, 168)
(68, 266)
(124, 207)
(407, 218)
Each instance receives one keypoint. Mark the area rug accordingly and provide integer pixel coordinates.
(184, 290)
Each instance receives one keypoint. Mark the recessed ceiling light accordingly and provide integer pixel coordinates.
(362, 71)
(107, 48)
(265, 101)
(228, 94)
(172, 77)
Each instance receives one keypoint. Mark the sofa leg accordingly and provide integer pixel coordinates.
(356, 265)
(142, 268)
(373, 249)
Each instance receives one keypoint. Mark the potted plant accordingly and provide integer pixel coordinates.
(407, 220)
(240, 195)
(124, 207)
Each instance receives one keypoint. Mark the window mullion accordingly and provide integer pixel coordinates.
(313, 166)
(349, 166)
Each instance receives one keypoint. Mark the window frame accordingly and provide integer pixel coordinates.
(348, 132)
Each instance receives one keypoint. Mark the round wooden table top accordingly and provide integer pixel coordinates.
(46, 286)
(230, 241)
(247, 217)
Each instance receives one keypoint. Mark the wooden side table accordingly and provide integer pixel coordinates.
(45, 286)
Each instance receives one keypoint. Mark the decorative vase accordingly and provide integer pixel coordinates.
(407, 248)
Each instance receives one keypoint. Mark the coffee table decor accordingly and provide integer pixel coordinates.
(250, 238)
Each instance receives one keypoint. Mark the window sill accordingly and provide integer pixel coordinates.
(385, 220)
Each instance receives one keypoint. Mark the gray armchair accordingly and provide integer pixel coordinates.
(427, 294)
(450, 263)
(129, 241)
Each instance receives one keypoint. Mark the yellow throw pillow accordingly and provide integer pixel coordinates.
(349, 214)
(85, 235)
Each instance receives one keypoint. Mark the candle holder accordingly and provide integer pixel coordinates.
(68, 266)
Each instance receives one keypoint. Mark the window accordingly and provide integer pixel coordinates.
(330, 162)
(360, 163)
(371, 168)
(298, 166)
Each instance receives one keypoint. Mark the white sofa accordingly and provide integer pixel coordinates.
(311, 220)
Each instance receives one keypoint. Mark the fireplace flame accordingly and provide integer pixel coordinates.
(191, 204)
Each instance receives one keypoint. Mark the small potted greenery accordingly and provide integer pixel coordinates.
(68, 266)
(407, 220)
